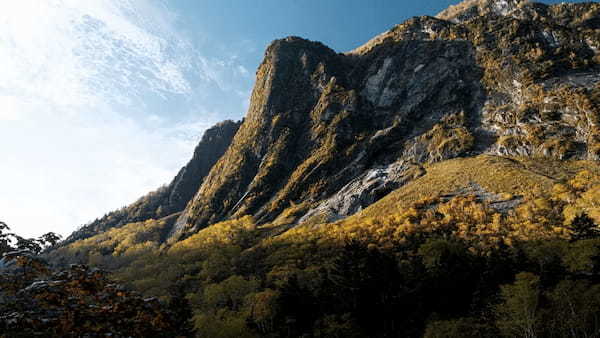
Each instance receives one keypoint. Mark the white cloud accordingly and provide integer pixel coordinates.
(9, 108)
(100, 102)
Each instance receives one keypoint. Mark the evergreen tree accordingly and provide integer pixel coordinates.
(180, 307)
(584, 227)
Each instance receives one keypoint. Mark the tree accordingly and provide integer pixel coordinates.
(517, 314)
(180, 307)
(459, 328)
(78, 302)
(583, 227)
(367, 284)
(263, 310)
(49, 239)
(450, 275)
(298, 308)
(36, 300)
(5, 239)
(574, 309)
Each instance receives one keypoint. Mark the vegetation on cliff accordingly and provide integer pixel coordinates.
(441, 181)
(467, 263)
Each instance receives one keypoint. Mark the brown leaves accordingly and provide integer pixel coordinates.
(74, 302)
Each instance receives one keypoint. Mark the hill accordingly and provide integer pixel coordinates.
(440, 180)
(172, 198)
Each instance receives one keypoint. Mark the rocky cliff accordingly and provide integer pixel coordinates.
(328, 134)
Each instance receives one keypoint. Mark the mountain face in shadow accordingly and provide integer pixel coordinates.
(173, 198)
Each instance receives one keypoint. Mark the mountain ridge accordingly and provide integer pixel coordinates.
(439, 181)
(327, 134)
(172, 198)
(374, 90)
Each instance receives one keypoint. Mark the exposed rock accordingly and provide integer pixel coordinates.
(502, 204)
(333, 133)
(470, 9)
(364, 191)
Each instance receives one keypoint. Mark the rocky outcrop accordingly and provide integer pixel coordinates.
(470, 9)
(363, 191)
(174, 197)
(335, 132)
(328, 134)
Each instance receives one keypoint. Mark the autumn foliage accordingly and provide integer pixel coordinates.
(37, 300)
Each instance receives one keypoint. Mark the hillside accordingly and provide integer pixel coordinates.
(503, 183)
(417, 185)
(172, 198)
(328, 134)
(441, 246)
(519, 82)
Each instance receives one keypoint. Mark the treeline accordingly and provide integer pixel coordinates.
(441, 288)
(455, 268)
(153, 205)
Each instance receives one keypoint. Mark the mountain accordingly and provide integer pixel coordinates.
(328, 134)
(470, 9)
(172, 198)
(331, 133)
(441, 181)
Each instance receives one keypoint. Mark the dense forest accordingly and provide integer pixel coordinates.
(442, 267)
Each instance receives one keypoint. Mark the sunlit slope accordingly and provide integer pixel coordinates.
(499, 181)
(507, 177)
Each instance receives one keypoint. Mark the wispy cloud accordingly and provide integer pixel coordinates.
(100, 101)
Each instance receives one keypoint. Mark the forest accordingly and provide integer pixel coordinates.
(439, 268)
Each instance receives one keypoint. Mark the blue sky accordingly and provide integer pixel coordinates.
(102, 101)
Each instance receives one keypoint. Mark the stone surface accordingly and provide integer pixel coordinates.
(328, 134)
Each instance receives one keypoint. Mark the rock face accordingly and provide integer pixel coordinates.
(319, 120)
(363, 191)
(328, 134)
(332, 133)
(174, 197)
(470, 9)
(212, 146)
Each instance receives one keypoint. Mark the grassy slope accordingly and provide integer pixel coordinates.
(493, 173)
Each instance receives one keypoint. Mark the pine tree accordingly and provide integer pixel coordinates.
(182, 310)
(584, 227)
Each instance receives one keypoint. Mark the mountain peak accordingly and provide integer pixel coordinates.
(172, 198)
(327, 134)
(469, 9)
